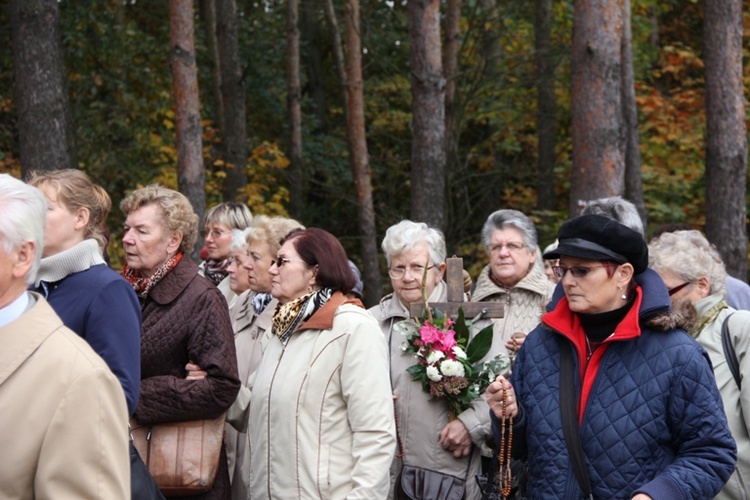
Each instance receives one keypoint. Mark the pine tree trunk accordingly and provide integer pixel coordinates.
(598, 128)
(191, 174)
(45, 122)
(359, 156)
(450, 67)
(546, 107)
(234, 132)
(726, 139)
(312, 42)
(428, 113)
(294, 109)
(633, 180)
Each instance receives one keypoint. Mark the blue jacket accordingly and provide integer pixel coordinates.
(651, 417)
(100, 306)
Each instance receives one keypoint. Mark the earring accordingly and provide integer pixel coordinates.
(623, 296)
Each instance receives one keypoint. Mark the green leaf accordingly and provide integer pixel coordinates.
(415, 372)
(479, 345)
(461, 329)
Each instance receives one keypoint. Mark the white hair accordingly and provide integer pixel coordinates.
(405, 235)
(688, 255)
(24, 213)
(239, 240)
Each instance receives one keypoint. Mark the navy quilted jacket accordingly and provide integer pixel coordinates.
(652, 423)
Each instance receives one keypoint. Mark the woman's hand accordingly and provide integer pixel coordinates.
(455, 438)
(514, 343)
(194, 372)
(495, 398)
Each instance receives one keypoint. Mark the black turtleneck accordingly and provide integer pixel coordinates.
(599, 326)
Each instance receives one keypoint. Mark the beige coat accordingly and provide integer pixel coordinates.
(321, 413)
(420, 418)
(63, 417)
(736, 402)
(249, 330)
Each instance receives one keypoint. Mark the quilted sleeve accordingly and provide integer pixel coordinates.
(705, 449)
(210, 344)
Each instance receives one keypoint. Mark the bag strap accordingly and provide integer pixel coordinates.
(569, 417)
(729, 352)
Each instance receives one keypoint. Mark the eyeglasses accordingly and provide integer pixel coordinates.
(214, 233)
(575, 271)
(398, 273)
(513, 246)
(281, 261)
(677, 288)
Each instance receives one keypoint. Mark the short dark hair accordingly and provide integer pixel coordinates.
(320, 248)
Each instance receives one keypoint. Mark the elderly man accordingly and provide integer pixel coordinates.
(63, 417)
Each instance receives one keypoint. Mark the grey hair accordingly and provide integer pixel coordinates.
(688, 255)
(24, 210)
(616, 208)
(405, 235)
(502, 219)
(239, 240)
(232, 214)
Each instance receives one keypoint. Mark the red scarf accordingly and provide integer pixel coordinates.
(144, 285)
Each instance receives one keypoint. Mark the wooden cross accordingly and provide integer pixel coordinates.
(455, 279)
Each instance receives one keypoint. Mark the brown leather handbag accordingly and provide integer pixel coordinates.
(183, 457)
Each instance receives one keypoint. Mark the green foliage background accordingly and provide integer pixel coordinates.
(120, 89)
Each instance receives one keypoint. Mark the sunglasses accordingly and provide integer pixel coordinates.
(676, 289)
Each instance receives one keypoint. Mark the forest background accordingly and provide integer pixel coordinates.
(116, 59)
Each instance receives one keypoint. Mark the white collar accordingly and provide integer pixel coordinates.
(14, 310)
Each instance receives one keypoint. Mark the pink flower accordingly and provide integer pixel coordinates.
(429, 333)
(438, 339)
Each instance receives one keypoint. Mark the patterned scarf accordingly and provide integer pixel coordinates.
(289, 316)
(260, 301)
(144, 285)
(708, 317)
(216, 270)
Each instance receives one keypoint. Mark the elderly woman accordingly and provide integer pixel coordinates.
(251, 321)
(427, 437)
(695, 276)
(91, 299)
(219, 223)
(321, 414)
(185, 318)
(515, 276)
(607, 387)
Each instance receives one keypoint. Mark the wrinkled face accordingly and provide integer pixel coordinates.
(238, 281)
(690, 291)
(596, 292)
(147, 242)
(510, 259)
(257, 263)
(294, 278)
(411, 264)
(64, 228)
(218, 241)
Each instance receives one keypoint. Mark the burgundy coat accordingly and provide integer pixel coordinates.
(185, 318)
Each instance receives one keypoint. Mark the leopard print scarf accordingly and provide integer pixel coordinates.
(289, 316)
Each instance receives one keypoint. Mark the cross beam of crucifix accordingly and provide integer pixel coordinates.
(455, 280)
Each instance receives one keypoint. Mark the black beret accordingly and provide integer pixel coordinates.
(601, 238)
